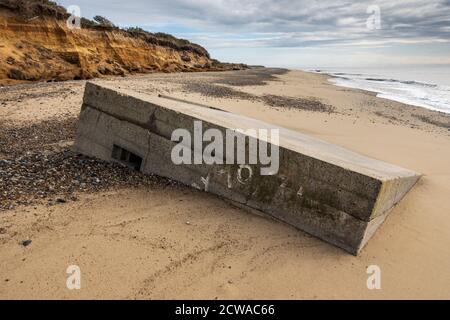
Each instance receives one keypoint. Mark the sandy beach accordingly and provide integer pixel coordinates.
(144, 237)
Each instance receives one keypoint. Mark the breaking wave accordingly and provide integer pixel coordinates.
(417, 93)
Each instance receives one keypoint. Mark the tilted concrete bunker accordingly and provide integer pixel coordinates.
(337, 195)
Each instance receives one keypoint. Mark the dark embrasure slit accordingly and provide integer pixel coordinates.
(127, 158)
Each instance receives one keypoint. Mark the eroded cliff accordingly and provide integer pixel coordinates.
(37, 45)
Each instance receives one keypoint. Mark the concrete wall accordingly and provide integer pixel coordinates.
(330, 192)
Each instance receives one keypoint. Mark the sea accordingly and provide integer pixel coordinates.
(422, 86)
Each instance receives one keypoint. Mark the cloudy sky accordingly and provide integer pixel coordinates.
(295, 33)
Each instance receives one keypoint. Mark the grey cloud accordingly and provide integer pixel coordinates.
(299, 23)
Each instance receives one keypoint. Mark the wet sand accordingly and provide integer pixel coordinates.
(156, 239)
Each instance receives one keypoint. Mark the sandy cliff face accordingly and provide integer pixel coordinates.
(43, 48)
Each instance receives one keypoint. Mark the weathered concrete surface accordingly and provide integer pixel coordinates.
(337, 195)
